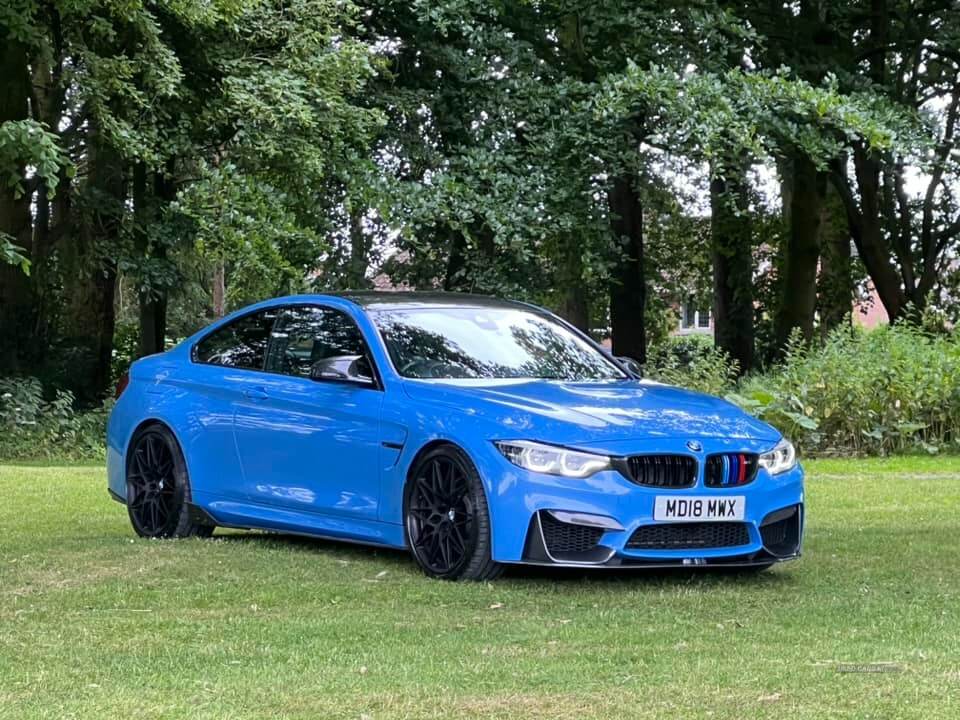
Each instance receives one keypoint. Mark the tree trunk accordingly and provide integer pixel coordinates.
(91, 273)
(798, 284)
(732, 250)
(16, 223)
(456, 263)
(53, 204)
(359, 252)
(864, 222)
(219, 289)
(628, 292)
(574, 304)
(835, 282)
(152, 299)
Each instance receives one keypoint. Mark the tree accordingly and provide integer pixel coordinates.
(160, 107)
(737, 117)
(508, 180)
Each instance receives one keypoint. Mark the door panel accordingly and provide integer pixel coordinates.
(311, 445)
(212, 385)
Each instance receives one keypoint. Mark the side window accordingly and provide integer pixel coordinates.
(241, 344)
(308, 336)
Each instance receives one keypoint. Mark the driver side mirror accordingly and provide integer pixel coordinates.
(353, 369)
(631, 366)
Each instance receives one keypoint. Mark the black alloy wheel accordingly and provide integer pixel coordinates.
(158, 489)
(446, 517)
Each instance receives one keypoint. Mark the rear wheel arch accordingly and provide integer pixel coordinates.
(184, 521)
(140, 428)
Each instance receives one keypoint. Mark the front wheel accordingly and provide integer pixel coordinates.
(446, 517)
(158, 487)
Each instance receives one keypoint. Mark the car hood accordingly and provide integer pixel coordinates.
(582, 414)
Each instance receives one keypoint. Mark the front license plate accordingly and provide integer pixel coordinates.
(693, 509)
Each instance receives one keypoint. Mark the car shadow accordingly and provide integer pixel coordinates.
(354, 552)
(343, 549)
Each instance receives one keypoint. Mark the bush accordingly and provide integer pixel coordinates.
(692, 361)
(35, 427)
(890, 390)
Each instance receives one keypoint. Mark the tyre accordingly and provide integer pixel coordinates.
(158, 487)
(446, 518)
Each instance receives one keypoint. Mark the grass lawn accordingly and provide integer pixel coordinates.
(97, 624)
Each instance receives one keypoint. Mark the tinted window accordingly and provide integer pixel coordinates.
(241, 344)
(308, 335)
(455, 342)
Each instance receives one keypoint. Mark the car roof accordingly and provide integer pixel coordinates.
(393, 300)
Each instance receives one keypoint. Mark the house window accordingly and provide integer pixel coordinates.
(694, 319)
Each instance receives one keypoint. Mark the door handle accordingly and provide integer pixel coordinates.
(255, 394)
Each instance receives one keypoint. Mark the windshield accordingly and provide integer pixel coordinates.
(465, 342)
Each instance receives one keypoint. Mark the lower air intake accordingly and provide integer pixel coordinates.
(780, 531)
(564, 539)
(689, 536)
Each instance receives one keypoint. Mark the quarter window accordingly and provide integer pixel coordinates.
(306, 336)
(241, 344)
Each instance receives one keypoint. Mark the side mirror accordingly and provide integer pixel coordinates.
(631, 366)
(353, 369)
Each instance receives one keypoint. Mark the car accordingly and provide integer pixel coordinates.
(475, 432)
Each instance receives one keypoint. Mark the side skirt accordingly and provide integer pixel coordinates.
(252, 516)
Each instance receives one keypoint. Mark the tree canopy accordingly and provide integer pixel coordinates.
(162, 163)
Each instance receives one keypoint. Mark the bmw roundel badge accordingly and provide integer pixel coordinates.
(694, 446)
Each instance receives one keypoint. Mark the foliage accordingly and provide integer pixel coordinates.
(32, 426)
(29, 143)
(894, 389)
(692, 361)
(126, 338)
(13, 254)
(564, 152)
(760, 114)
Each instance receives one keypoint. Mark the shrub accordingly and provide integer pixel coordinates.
(35, 427)
(888, 390)
(692, 361)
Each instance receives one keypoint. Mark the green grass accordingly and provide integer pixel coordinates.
(97, 624)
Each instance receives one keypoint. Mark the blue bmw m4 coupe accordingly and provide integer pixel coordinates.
(474, 432)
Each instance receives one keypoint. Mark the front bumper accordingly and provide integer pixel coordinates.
(781, 534)
(525, 508)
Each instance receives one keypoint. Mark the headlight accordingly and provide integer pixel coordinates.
(551, 459)
(782, 458)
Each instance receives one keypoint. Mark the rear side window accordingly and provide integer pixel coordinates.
(241, 344)
(306, 335)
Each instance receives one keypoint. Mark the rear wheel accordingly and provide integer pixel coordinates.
(158, 487)
(446, 517)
